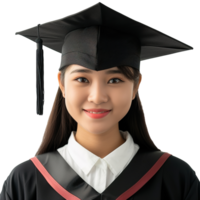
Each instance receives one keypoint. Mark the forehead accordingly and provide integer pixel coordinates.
(73, 67)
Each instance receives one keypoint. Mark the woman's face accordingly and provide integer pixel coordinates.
(98, 89)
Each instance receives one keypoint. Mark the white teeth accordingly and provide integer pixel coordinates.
(96, 112)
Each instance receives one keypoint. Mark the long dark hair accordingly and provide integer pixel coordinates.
(61, 124)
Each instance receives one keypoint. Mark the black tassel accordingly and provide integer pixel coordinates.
(39, 74)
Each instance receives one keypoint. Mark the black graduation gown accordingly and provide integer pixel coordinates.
(149, 176)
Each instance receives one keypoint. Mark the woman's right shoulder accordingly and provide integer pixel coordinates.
(24, 169)
(20, 181)
(21, 170)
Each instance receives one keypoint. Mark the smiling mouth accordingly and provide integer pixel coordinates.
(98, 112)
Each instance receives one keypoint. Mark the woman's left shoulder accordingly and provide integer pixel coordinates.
(179, 180)
(178, 166)
(177, 170)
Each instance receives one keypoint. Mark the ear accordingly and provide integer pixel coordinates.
(141, 79)
(135, 89)
(58, 73)
(58, 81)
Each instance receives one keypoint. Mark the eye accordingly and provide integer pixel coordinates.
(109, 80)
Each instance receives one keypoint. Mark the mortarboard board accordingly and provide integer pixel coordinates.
(98, 38)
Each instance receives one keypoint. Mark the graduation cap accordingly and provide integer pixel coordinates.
(98, 38)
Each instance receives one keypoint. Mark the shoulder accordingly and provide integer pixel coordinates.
(23, 170)
(178, 167)
(178, 178)
(21, 180)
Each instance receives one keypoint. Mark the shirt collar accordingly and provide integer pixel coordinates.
(115, 160)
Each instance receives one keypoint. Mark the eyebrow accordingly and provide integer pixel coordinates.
(112, 71)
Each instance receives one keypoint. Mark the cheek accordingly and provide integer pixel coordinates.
(74, 100)
(122, 103)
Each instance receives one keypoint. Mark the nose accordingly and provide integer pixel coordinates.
(98, 93)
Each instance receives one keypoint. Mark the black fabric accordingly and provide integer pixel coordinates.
(100, 38)
(175, 180)
(99, 48)
(39, 75)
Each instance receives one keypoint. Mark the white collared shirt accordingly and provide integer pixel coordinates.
(98, 172)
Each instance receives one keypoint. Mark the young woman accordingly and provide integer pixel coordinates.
(89, 155)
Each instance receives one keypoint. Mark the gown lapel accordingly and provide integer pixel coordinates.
(65, 181)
